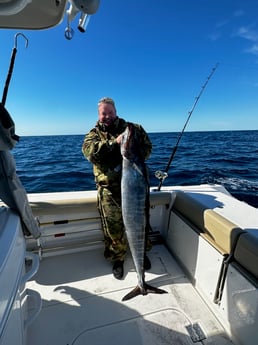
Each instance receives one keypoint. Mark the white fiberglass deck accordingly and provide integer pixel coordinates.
(82, 304)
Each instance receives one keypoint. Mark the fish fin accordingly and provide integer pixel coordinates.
(135, 292)
(142, 291)
(153, 289)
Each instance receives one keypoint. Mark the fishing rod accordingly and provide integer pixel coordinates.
(161, 175)
(8, 138)
(10, 71)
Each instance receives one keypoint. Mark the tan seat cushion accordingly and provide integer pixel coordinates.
(246, 252)
(190, 208)
(215, 228)
(222, 231)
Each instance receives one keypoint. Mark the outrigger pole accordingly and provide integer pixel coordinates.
(161, 175)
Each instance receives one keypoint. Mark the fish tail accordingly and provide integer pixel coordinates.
(142, 291)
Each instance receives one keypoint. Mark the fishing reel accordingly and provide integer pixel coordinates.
(86, 8)
(161, 175)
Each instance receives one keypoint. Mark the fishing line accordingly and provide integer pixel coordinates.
(161, 175)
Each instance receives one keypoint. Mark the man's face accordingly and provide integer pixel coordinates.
(107, 114)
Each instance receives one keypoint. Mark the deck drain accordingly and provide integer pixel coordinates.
(195, 332)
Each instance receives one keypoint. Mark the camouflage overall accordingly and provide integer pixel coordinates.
(100, 148)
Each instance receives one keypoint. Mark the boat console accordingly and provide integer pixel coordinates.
(15, 298)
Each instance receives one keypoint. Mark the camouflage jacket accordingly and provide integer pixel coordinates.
(100, 148)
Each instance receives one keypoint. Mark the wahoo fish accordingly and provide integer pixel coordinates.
(135, 206)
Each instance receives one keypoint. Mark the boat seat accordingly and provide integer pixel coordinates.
(216, 229)
(66, 209)
(67, 222)
(246, 252)
(54, 210)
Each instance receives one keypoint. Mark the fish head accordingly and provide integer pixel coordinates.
(128, 145)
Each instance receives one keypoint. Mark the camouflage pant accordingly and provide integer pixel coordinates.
(109, 205)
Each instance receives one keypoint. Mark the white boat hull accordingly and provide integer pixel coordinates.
(202, 255)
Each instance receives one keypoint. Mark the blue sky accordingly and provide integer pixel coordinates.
(152, 57)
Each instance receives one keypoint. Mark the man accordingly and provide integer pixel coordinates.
(101, 147)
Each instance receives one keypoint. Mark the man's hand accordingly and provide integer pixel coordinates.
(119, 139)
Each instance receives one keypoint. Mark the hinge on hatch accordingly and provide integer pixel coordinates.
(196, 333)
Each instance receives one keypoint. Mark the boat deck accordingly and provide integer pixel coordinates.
(82, 304)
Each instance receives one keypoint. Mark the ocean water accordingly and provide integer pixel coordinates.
(229, 158)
